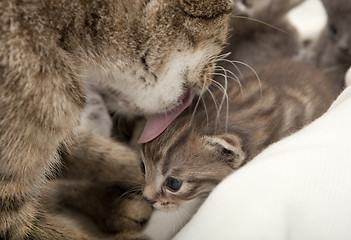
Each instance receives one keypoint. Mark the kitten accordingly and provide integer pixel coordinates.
(207, 143)
(261, 33)
(333, 50)
(50, 50)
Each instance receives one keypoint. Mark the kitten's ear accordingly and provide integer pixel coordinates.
(228, 145)
(206, 8)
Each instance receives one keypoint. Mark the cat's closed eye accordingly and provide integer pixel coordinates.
(174, 184)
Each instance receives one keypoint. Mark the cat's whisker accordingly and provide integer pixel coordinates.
(234, 65)
(253, 70)
(223, 89)
(233, 78)
(216, 106)
(223, 56)
(206, 111)
(198, 102)
(225, 97)
(261, 22)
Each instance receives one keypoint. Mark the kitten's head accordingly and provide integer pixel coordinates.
(264, 10)
(339, 27)
(160, 50)
(181, 165)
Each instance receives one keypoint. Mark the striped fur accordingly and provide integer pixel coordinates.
(50, 50)
(201, 149)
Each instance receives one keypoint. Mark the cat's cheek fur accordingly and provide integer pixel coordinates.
(186, 71)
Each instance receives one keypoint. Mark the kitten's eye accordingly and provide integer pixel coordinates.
(174, 184)
(333, 29)
(142, 167)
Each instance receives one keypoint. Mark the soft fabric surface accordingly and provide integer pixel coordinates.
(299, 188)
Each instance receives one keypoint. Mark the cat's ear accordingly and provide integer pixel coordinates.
(206, 8)
(229, 146)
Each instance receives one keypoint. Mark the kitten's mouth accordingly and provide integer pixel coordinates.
(156, 124)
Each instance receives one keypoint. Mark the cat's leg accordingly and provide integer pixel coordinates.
(91, 156)
(105, 174)
(95, 115)
(30, 131)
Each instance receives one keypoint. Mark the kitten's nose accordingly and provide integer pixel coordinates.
(150, 201)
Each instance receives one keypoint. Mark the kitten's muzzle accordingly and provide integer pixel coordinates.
(150, 201)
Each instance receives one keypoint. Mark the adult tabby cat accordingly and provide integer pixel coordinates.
(47, 51)
(208, 142)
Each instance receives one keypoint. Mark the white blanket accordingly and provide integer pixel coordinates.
(298, 188)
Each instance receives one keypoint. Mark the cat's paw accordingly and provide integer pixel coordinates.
(130, 215)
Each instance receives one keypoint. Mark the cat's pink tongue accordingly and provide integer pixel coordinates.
(159, 122)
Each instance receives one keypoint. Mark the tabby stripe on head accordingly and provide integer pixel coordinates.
(207, 183)
(178, 143)
(249, 102)
(149, 151)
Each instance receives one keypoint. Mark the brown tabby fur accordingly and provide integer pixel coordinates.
(47, 50)
(202, 149)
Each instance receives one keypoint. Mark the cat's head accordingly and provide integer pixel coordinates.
(339, 27)
(181, 165)
(160, 50)
(264, 10)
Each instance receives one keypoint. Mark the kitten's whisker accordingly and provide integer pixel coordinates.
(121, 181)
(179, 219)
(129, 191)
(188, 215)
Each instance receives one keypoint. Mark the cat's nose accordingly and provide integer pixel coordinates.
(150, 201)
